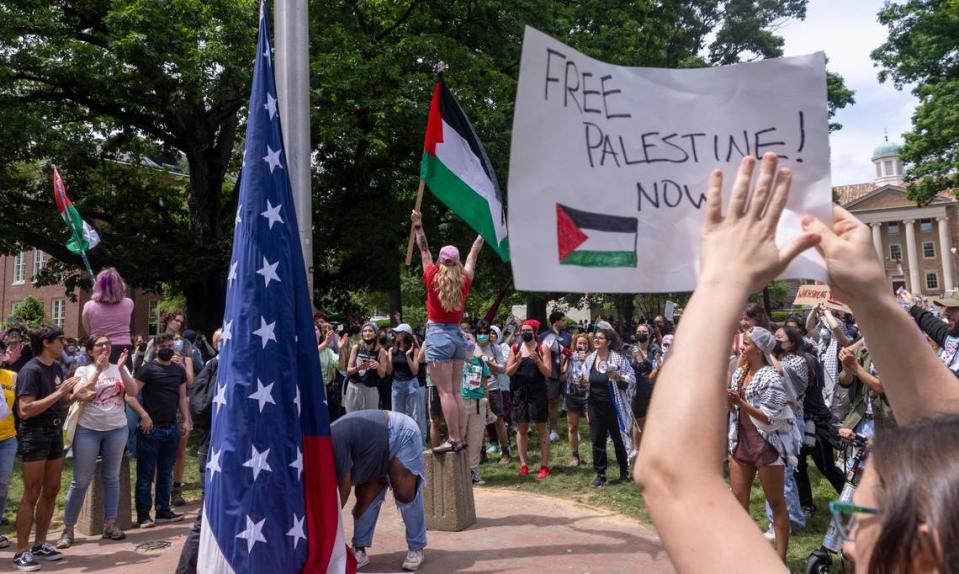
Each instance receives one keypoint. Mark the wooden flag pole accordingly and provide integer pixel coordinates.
(419, 204)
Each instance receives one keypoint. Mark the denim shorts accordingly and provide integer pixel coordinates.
(444, 342)
(406, 443)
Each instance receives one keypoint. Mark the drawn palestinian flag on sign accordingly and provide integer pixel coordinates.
(590, 239)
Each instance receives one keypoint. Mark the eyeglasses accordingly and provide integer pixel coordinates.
(102, 344)
(844, 516)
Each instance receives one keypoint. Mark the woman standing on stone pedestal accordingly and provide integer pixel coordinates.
(447, 286)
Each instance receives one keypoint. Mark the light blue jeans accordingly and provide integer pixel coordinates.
(406, 446)
(8, 454)
(409, 399)
(88, 444)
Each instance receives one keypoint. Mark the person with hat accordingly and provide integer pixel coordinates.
(944, 333)
(402, 363)
(763, 436)
(367, 365)
(447, 287)
(528, 366)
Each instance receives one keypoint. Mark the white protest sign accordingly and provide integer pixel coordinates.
(609, 164)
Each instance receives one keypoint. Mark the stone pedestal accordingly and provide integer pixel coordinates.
(90, 522)
(448, 494)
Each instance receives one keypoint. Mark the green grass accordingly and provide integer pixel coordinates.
(574, 484)
(571, 484)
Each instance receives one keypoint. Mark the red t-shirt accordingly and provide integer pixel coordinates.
(434, 309)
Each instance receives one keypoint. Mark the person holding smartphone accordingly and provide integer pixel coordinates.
(366, 366)
(576, 393)
(611, 382)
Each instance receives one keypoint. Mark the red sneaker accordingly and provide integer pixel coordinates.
(543, 472)
(524, 470)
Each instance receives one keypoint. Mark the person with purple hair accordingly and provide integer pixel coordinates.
(108, 313)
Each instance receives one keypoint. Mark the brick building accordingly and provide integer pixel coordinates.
(916, 244)
(16, 284)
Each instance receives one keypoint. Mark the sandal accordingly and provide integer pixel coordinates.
(448, 446)
(458, 445)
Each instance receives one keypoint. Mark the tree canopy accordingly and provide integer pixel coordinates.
(97, 86)
(921, 52)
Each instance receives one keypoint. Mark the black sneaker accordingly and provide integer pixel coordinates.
(144, 520)
(176, 498)
(599, 481)
(46, 552)
(166, 516)
(24, 562)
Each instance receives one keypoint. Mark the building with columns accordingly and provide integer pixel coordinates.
(916, 244)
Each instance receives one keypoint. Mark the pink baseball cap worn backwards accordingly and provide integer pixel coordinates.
(449, 255)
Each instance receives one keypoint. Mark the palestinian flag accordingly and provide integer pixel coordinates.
(459, 174)
(590, 239)
(83, 236)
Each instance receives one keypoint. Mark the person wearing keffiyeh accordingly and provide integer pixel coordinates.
(611, 386)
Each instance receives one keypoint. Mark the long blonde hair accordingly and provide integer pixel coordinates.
(449, 286)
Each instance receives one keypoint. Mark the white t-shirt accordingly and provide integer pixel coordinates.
(106, 412)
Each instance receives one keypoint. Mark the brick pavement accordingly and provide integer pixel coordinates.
(515, 532)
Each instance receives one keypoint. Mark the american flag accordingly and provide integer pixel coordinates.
(271, 502)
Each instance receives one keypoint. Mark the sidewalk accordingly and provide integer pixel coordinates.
(515, 532)
(520, 532)
(147, 550)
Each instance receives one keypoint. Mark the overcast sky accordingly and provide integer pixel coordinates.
(847, 32)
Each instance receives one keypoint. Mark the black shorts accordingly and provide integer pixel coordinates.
(496, 402)
(436, 409)
(574, 404)
(530, 403)
(554, 389)
(43, 442)
(644, 392)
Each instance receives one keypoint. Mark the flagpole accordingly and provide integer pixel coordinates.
(419, 204)
(291, 26)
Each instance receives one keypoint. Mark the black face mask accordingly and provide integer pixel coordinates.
(165, 354)
(383, 340)
(642, 337)
(527, 337)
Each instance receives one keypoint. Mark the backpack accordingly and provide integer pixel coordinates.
(204, 389)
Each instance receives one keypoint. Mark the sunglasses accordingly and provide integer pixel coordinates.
(844, 516)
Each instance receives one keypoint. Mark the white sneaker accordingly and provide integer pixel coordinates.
(361, 558)
(553, 436)
(770, 534)
(414, 559)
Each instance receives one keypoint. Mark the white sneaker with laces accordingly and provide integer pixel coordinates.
(414, 559)
(361, 558)
(553, 436)
(770, 534)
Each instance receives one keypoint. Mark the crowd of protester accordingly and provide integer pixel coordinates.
(766, 396)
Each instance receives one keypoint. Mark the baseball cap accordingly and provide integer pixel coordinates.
(449, 255)
(403, 328)
(764, 341)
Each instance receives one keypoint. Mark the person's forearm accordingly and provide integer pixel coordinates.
(811, 324)
(137, 407)
(691, 387)
(470, 267)
(889, 330)
(423, 245)
(185, 411)
(871, 381)
(933, 326)
(34, 408)
(754, 412)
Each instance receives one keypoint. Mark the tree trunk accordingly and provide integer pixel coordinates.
(536, 307)
(205, 300)
(395, 293)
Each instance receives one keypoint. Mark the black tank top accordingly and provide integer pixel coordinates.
(401, 366)
(527, 373)
(367, 377)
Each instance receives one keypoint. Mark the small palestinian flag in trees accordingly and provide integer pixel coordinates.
(459, 174)
(589, 239)
(83, 236)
